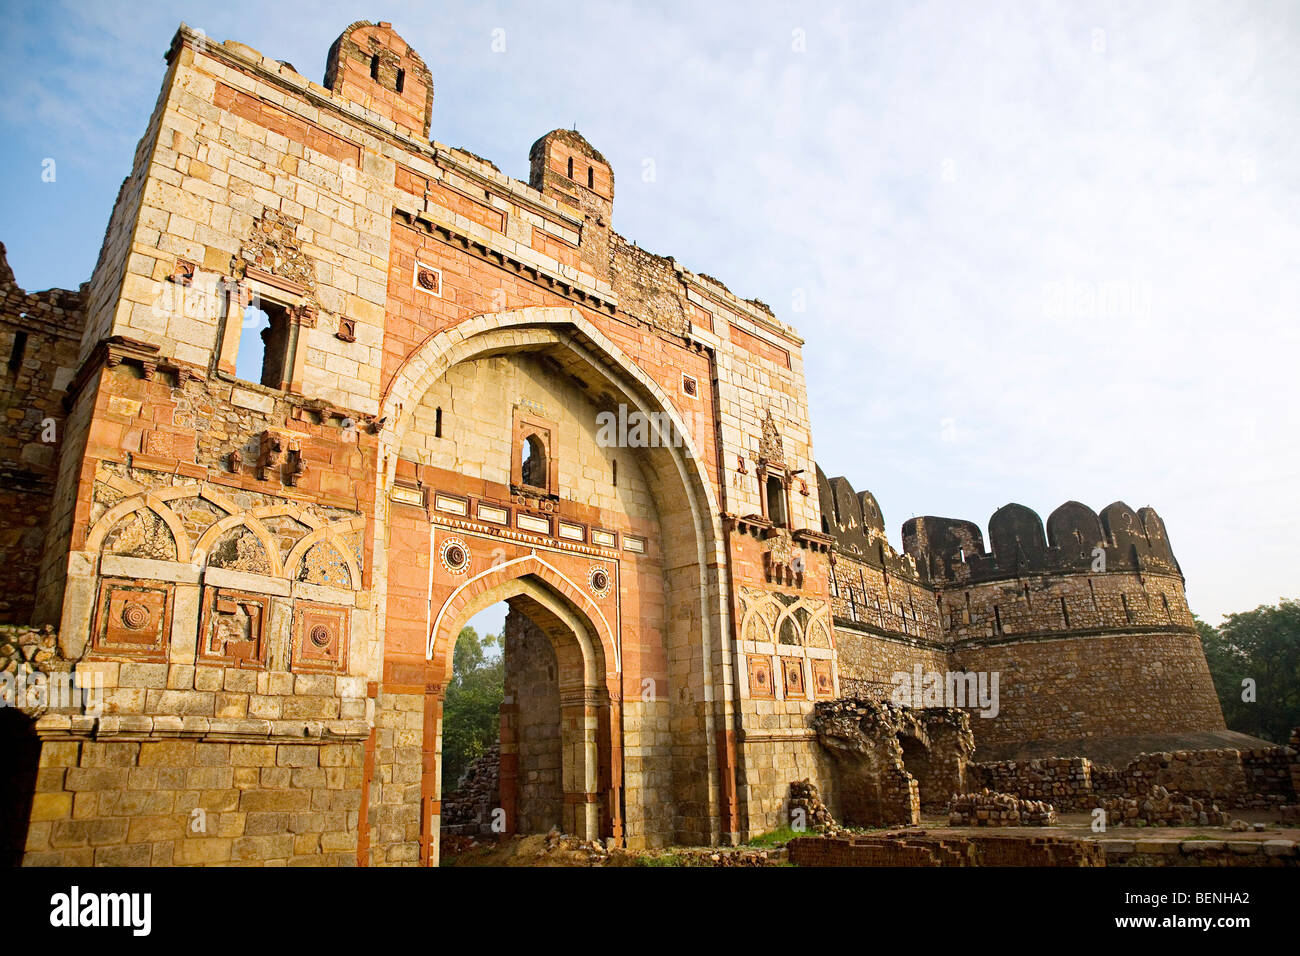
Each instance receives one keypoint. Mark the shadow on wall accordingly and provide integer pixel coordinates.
(20, 753)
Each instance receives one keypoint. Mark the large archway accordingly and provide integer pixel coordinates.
(666, 659)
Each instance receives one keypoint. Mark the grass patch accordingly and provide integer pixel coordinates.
(778, 837)
(660, 859)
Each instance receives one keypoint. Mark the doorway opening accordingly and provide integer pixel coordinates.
(502, 759)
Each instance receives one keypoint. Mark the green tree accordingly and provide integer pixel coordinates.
(471, 710)
(1263, 646)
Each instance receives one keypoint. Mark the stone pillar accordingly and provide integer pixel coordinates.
(431, 774)
(508, 768)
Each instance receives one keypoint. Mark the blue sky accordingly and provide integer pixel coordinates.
(1039, 252)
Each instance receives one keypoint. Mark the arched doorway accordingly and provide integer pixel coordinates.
(574, 759)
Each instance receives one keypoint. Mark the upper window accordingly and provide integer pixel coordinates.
(263, 355)
(532, 467)
(776, 501)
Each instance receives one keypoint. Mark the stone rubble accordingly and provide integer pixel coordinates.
(1163, 808)
(467, 810)
(988, 808)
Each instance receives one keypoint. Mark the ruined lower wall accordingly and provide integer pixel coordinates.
(182, 802)
(924, 850)
(1240, 779)
(771, 761)
(39, 337)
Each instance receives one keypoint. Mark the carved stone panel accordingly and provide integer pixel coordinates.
(823, 679)
(760, 677)
(792, 671)
(235, 628)
(133, 620)
(320, 638)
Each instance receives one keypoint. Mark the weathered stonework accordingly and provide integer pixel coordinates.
(266, 564)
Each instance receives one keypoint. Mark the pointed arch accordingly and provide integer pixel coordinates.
(144, 502)
(492, 585)
(324, 533)
(217, 530)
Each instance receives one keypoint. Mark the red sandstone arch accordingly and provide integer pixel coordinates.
(585, 651)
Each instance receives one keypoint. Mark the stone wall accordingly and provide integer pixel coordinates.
(1252, 779)
(923, 850)
(39, 336)
(533, 709)
(182, 802)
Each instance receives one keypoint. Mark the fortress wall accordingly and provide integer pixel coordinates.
(39, 337)
(1074, 688)
(1042, 605)
(868, 661)
(871, 598)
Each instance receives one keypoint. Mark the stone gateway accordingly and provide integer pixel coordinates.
(333, 389)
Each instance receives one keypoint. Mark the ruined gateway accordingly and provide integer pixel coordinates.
(266, 572)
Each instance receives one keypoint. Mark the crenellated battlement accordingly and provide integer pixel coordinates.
(949, 551)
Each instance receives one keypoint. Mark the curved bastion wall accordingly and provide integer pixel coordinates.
(1084, 623)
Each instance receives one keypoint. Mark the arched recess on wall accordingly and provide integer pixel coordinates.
(199, 552)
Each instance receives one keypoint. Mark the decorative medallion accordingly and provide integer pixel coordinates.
(320, 638)
(427, 279)
(135, 616)
(792, 671)
(760, 678)
(598, 581)
(454, 555)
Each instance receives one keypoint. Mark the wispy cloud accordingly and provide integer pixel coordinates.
(1047, 251)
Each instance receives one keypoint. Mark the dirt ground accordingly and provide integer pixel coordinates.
(554, 850)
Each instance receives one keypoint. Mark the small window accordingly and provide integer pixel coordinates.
(374, 66)
(591, 178)
(437, 423)
(401, 79)
(776, 501)
(264, 345)
(18, 351)
(533, 464)
(615, 461)
(570, 167)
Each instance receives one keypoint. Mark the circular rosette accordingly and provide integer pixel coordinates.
(454, 555)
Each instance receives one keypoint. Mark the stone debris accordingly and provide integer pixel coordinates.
(468, 809)
(988, 808)
(806, 808)
(1163, 808)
